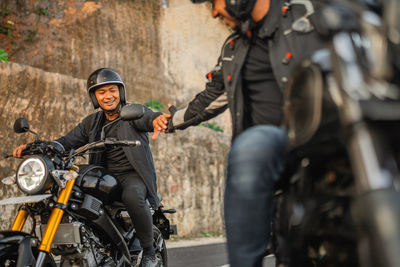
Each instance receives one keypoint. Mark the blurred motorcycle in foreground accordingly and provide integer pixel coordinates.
(338, 202)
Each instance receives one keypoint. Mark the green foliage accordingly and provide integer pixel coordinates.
(42, 11)
(3, 55)
(212, 126)
(154, 105)
(31, 36)
(3, 10)
(207, 234)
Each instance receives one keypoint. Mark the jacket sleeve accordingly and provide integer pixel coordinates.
(145, 123)
(77, 137)
(206, 105)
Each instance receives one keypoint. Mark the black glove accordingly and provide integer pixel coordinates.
(170, 128)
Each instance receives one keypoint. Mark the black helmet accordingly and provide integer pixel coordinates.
(101, 77)
(239, 9)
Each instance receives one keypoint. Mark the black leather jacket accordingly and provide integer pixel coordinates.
(291, 38)
(140, 156)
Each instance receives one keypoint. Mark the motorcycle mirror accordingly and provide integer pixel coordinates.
(21, 125)
(127, 113)
(131, 112)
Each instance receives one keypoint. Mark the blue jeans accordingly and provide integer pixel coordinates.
(255, 163)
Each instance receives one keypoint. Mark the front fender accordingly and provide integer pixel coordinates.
(17, 246)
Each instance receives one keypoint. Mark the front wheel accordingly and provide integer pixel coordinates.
(16, 250)
(8, 261)
(160, 247)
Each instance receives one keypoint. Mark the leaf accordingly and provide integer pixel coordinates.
(3, 55)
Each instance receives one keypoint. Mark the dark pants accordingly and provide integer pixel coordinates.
(255, 163)
(134, 194)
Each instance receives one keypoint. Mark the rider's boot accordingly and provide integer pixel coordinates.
(148, 261)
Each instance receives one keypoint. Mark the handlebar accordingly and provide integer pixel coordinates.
(31, 149)
(99, 145)
(170, 128)
(25, 152)
(106, 143)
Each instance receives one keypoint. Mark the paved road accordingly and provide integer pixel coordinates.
(210, 255)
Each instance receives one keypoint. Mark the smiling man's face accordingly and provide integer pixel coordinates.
(108, 96)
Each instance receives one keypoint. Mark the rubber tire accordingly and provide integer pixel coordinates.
(160, 255)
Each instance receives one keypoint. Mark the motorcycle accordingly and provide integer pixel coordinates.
(78, 219)
(338, 201)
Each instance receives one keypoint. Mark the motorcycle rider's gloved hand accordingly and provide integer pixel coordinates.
(170, 127)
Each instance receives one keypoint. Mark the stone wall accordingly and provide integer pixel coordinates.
(161, 54)
(190, 164)
(51, 102)
(190, 169)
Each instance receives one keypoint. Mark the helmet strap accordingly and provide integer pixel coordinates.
(111, 113)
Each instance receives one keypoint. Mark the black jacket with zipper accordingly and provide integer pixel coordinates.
(140, 157)
(286, 34)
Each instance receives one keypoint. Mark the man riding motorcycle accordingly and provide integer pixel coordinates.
(132, 166)
(254, 67)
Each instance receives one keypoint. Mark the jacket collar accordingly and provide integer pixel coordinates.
(271, 20)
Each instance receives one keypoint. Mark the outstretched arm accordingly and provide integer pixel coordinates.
(145, 123)
(206, 105)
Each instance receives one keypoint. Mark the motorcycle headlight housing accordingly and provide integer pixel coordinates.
(33, 175)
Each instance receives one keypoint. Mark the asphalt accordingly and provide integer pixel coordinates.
(194, 242)
(202, 252)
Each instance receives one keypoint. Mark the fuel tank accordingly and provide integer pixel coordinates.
(95, 181)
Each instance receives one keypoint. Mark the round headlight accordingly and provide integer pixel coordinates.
(32, 176)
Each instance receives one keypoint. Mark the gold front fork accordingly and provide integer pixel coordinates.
(55, 217)
(20, 219)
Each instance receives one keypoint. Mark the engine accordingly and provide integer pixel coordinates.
(75, 244)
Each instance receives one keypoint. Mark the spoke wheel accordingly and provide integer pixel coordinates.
(161, 249)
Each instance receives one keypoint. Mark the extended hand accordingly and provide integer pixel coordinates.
(18, 151)
(160, 125)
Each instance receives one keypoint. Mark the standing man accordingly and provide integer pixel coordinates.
(132, 166)
(270, 38)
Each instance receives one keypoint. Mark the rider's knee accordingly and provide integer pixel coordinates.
(255, 160)
(259, 143)
(134, 194)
